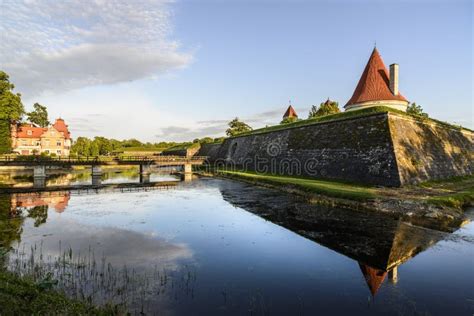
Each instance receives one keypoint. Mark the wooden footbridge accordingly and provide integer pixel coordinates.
(39, 163)
(32, 161)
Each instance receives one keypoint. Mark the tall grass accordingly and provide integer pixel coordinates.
(94, 280)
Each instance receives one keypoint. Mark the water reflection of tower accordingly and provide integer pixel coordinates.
(379, 244)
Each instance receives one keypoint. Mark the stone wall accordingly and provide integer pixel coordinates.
(380, 149)
(427, 150)
(186, 152)
(354, 149)
(210, 151)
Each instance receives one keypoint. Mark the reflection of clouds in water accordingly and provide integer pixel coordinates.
(118, 246)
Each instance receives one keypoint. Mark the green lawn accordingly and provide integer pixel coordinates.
(329, 188)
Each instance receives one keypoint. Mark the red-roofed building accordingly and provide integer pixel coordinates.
(290, 113)
(28, 139)
(377, 86)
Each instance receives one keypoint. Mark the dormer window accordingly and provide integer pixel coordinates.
(29, 132)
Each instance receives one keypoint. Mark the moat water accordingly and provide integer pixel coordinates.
(219, 247)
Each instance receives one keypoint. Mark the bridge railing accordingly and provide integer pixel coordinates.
(100, 159)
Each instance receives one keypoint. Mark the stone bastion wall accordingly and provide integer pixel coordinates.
(382, 149)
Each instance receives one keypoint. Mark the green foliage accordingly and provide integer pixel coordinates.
(342, 116)
(11, 107)
(206, 140)
(237, 127)
(11, 110)
(325, 108)
(132, 143)
(417, 110)
(457, 200)
(39, 115)
(184, 146)
(5, 139)
(101, 146)
(22, 296)
(219, 140)
(325, 187)
(39, 214)
(288, 120)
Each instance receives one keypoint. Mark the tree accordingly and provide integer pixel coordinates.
(11, 110)
(81, 146)
(94, 149)
(39, 115)
(325, 108)
(132, 143)
(237, 127)
(313, 111)
(416, 110)
(103, 144)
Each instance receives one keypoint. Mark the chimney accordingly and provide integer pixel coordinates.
(394, 78)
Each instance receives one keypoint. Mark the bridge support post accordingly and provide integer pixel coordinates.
(188, 168)
(393, 275)
(145, 171)
(96, 171)
(96, 175)
(39, 176)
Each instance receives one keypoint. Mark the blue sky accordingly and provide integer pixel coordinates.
(160, 70)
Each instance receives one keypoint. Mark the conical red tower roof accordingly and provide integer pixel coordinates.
(290, 112)
(374, 277)
(374, 84)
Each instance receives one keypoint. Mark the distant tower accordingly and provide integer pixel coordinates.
(290, 113)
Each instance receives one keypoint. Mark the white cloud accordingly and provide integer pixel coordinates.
(60, 45)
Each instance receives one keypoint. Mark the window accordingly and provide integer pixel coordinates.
(58, 152)
(58, 143)
(38, 144)
(23, 143)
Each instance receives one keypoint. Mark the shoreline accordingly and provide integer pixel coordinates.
(433, 212)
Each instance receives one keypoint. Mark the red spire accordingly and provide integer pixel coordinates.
(373, 276)
(290, 112)
(374, 84)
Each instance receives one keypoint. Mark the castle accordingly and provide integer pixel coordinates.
(28, 139)
(370, 143)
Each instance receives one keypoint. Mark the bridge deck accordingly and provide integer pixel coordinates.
(98, 161)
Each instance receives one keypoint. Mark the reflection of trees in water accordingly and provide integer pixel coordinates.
(11, 226)
(11, 222)
(39, 214)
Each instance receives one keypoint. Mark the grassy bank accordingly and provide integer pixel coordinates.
(21, 296)
(324, 187)
(457, 192)
(454, 193)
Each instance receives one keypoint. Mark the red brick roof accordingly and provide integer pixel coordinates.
(374, 84)
(34, 132)
(290, 112)
(61, 126)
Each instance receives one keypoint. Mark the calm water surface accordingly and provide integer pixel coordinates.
(215, 247)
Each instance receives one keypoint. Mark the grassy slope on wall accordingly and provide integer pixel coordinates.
(342, 116)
